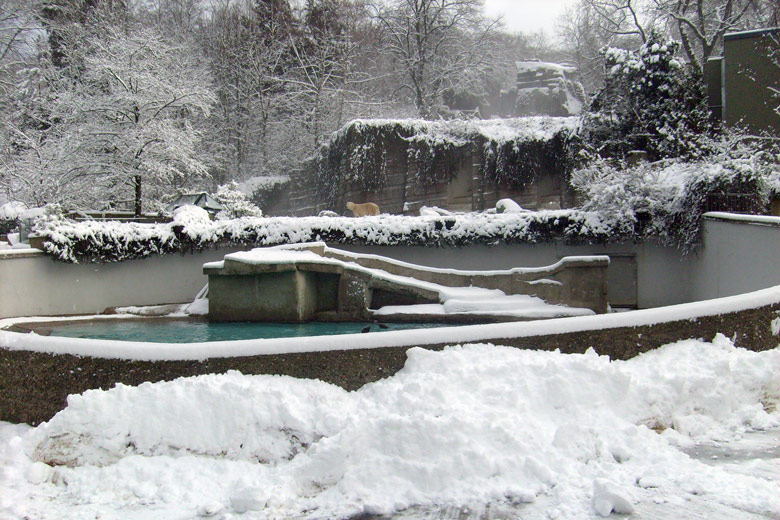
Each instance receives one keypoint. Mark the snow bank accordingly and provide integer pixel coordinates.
(473, 424)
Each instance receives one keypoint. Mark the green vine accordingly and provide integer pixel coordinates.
(359, 155)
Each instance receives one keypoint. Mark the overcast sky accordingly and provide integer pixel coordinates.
(528, 15)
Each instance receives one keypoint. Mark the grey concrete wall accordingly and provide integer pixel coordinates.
(740, 256)
(36, 385)
(36, 285)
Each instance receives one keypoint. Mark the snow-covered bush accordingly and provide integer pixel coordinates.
(666, 199)
(235, 203)
(191, 221)
(650, 102)
(112, 241)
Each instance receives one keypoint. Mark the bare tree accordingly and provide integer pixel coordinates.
(620, 18)
(437, 44)
(701, 24)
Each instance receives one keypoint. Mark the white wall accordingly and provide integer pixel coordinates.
(740, 255)
(34, 284)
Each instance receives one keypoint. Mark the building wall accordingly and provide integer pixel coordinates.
(713, 77)
(749, 73)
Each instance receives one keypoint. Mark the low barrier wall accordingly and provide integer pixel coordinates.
(34, 284)
(35, 385)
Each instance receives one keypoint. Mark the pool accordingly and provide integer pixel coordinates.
(190, 331)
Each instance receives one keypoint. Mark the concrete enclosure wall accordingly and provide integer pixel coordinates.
(36, 285)
(741, 255)
(738, 256)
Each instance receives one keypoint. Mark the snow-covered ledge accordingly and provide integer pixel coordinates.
(765, 220)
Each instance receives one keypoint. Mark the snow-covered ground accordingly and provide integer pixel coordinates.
(475, 427)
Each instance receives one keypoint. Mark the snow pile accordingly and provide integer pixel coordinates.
(491, 302)
(12, 210)
(476, 424)
(261, 182)
(508, 206)
(112, 241)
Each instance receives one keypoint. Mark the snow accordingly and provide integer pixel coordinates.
(542, 434)
(278, 255)
(475, 301)
(459, 131)
(508, 206)
(529, 66)
(261, 182)
(737, 217)
(12, 210)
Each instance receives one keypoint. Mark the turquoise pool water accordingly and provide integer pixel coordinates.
(186, 331)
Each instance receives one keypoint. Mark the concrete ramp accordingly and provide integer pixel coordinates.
(314, 282)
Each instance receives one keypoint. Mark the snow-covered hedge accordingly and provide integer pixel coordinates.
(667, 198)
(112, 241)
(513, 151)
(650, 102)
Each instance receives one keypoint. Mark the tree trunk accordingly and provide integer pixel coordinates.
(138, 198)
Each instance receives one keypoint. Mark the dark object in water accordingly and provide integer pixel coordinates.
(383, 325)
(366, 329)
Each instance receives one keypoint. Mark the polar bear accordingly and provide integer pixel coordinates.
(366, 209)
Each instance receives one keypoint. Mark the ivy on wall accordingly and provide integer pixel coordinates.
(511, 153)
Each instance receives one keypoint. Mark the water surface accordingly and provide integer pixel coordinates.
(189, 331)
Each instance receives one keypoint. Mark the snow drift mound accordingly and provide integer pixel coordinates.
(258, 418)
(471, 424)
